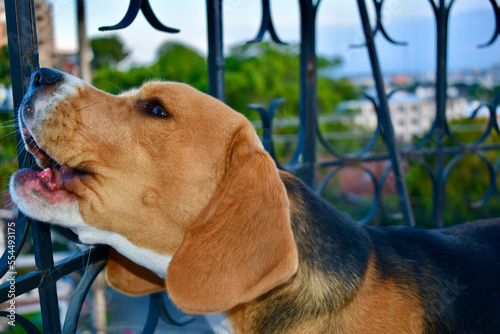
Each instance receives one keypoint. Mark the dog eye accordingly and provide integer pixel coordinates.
(158, 110)
(152, 108)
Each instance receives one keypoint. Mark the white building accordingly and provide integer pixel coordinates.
(412, 114)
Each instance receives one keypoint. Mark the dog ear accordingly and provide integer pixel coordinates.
(242, 244)
(130, 278)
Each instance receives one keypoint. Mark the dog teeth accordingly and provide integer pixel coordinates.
(45, 175)
(52, 177)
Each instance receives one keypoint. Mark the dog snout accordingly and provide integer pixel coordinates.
(43, 82)
(45, 77)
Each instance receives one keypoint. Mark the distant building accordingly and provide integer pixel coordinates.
(412, 114)
(3, 25)
(402, 80)
(67, 62)
(45, 31)
(495, 74)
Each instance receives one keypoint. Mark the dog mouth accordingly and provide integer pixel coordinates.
(44, 160)
(55, 183)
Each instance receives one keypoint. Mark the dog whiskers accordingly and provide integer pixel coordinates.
(112, 84)
(69, 258)
(94, 131)
(92, 142)
(88, 106)
(9, 133)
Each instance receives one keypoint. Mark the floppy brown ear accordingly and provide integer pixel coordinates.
(130, 278)
(242, 245)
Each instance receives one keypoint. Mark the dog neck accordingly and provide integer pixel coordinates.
(333, 252)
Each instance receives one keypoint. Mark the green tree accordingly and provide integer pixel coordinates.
(5, 65)
(176, 62)
(255, 73)
(466, 184)
(258, 73)
(108, 51)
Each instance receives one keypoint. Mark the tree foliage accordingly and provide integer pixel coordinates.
(108, 51)
(255, 73)
(5, 65)
(175, 62)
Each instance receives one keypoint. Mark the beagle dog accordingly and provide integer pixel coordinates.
(180, 187)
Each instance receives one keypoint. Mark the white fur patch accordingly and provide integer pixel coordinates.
(219, 323)
(68, 215)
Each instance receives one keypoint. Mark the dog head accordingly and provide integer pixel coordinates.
(168, 177)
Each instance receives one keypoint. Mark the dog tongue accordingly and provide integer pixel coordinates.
(53, 178)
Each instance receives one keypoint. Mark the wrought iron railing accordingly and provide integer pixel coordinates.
(304, 162)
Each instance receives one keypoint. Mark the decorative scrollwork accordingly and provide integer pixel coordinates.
(491, 170)
(133, 10)
(367, 148)
(21, 232)
(484, 136)
(379, 26)
(266, 25)
(158, 309)
(78, 297)
(376, 200)
(267, 117)
(496, 32)
(23, 322)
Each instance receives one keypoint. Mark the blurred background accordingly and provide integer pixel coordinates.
(69, 40)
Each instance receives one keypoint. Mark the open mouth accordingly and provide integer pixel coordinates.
(43, 158)
(55, 183)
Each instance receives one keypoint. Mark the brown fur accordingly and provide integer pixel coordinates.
(245, 238)
(131, 278)
(381, 306)
(233, 253)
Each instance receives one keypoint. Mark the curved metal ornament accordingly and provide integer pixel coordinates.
(379, 26)
(23, 322)
(21, 228)
(266, 25)
(158, 309)
(473, 145)
(496, 32)
(78, 297)
(364, 150)
(133, 10)
(376, 200)
(491, 170)
(267, 117)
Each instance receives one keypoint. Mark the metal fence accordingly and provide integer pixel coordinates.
(24, 60)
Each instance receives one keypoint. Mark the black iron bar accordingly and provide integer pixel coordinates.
(24, 284)
(216, 84)
(49, 306)
(23, 48)
(441, 15)
(308, 106)
(385, 117)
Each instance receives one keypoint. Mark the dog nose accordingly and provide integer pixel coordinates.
(45, 77)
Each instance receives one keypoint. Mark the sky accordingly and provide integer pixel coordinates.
(338, 26)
